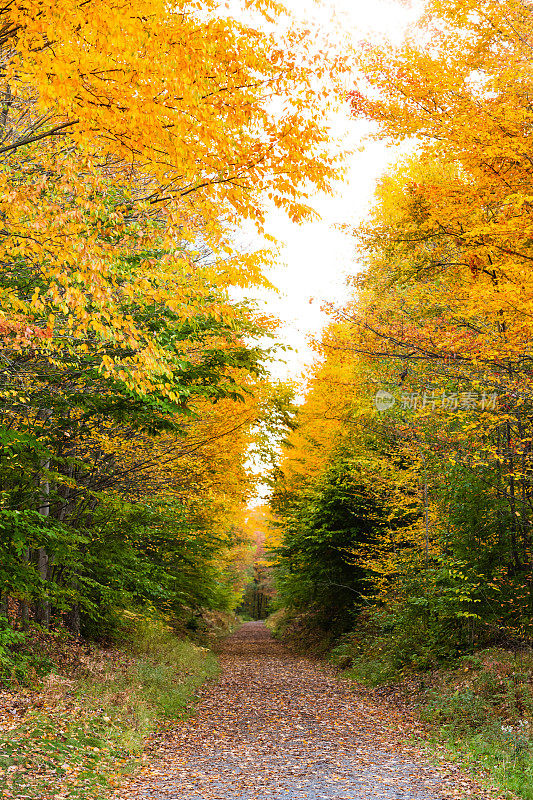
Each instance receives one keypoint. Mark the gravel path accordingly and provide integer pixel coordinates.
(279, 727)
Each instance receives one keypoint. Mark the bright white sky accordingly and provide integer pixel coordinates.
(315, 257)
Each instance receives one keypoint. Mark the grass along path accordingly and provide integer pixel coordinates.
(81, 731)
(280, 727)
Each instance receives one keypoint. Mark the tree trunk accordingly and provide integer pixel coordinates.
(43, 606)
(73, 620)
(4, 605)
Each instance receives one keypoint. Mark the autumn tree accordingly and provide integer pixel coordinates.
(134, 141)
(219, 149)
(440, 321)
(336, 491)
(452, 232)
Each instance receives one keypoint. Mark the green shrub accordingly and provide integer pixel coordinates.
(8, 639)
(463, 710)
(20, 663)
(483, 710)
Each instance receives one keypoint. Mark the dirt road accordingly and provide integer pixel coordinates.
(280, 727)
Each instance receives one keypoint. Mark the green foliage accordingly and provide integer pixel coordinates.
(162, 554)
(9, 638)
(383, 649)
(433, 621)
(24, 531)
(322, 523)
(23, 660)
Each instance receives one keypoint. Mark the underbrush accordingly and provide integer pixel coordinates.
(211, 626)
(274, 621)
(483, 710)
(383, 647)
(478, 706)
(25, 656)
(313, 631)
(83, 731)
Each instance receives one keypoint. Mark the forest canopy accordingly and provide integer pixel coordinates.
(409, 477)
(134, 139)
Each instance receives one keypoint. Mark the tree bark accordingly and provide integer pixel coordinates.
(43, 606)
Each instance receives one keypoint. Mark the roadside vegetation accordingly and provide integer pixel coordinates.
(477, 708)
(77, 730)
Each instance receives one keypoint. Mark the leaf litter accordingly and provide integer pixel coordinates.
(278, 726)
